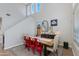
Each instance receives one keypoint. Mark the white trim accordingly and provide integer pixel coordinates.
(5, 48)
(76, 46)
(70, 47)
(77, 49)
(73, 52)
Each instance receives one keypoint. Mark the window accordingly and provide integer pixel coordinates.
(32, 9)
(28, 10)
(38, 7)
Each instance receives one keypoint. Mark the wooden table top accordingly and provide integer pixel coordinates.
(46, 41)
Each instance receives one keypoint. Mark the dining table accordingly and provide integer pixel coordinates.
(46, 43)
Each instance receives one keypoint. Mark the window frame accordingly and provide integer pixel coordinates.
(36, 9)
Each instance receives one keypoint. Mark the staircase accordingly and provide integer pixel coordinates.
(14, 34)
(12, 29)
(8, 28)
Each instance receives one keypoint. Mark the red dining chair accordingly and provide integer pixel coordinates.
(28, 42)
(32, 46)
(25, 41)
(24, 37)
(38, 46)
(36, 42)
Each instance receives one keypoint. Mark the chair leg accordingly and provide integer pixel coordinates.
(33, 51)
(57, 52)
(40, 53)
(54, 53)
(28, 49)
(25, 46)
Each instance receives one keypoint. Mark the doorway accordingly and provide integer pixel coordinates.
(1, 35)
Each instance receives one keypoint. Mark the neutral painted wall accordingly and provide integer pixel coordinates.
(14, 35)
(64, 14)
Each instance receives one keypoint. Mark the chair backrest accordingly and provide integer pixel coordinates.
(35, 41)
(30, 41)
(24, 37)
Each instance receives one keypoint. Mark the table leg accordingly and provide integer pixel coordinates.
(45, 50)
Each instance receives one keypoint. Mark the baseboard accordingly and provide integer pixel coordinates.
(69, 47)
(73, 52)
(13, 46)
